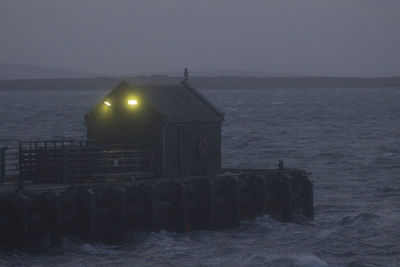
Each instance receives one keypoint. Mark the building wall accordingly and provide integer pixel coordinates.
(183, 156)
(122, 125)
(178, 142)
(136, 133)
(171, 150)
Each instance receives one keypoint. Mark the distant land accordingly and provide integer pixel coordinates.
(215, 73)
(223, 82)
(22, 76)
(14, 71)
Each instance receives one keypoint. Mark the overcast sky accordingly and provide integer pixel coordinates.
(310, 37)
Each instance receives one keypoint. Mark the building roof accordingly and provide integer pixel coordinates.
(179, 103)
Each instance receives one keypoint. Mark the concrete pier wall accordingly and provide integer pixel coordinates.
(37, 218)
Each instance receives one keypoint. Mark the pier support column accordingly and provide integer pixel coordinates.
(20, 222)
(89, 214)
(150, 207)
(55, 218)
(259, 190)
(235, 200)
(178, 197)
(286, 198)
(210, 194)
(120, 220)
(308, 198)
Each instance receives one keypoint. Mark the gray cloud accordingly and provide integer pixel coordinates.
(314, 37)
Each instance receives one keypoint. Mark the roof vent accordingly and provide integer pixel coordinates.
(186, 75)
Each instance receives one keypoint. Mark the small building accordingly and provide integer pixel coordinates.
(179, 125)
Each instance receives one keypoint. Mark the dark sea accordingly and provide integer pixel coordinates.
(348, 139)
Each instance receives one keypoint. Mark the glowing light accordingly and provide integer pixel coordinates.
(107, 103)
(132, 102)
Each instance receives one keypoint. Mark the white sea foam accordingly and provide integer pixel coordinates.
(99, 250)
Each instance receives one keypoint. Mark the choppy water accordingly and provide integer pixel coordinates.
(348, 138)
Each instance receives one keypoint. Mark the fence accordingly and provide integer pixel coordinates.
(92, 163)
(73, 161)
(8, 164)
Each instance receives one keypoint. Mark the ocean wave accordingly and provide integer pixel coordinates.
(387, 189)
(354, 158)
(365, 217)
(359, 264)
(299, 261)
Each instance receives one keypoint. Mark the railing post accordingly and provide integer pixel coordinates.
(21, 174)
(2, 164)
(55, 165)
(62, 171)
(33, 174)
(280, 164)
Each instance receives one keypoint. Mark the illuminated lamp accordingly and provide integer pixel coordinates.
(132, 102)
(107, 103)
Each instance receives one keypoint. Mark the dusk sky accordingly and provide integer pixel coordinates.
(295, 37)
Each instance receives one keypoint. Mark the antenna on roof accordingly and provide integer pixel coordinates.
(186, 75)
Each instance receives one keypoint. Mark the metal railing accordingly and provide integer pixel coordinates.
(8, 164)
(94, 164)
(73, 161)
(42, 161)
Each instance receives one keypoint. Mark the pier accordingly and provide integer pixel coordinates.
(151, 162)
(37, 217)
